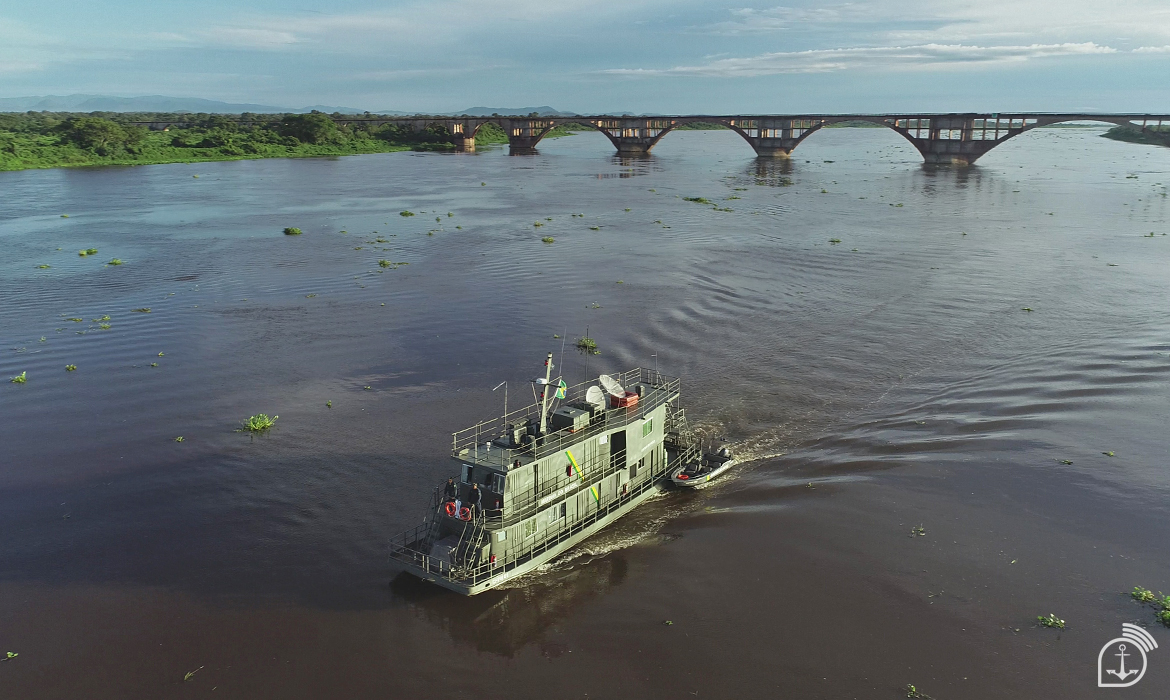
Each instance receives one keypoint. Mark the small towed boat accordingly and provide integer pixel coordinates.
(698, 475)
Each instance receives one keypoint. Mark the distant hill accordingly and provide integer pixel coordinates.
(545, 111)
(147, 103)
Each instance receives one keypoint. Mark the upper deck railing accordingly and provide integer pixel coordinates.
(475, 444)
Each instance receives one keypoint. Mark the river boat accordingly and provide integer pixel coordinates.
(696, 475)
(548, 476)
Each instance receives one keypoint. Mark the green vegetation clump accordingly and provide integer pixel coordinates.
(292, 231)
(1158, 136)
(587, 346)
(115, 261)
(548, 239)
(406, 213)
(1160, 603)
(1143, 595)
(143, 310)
(20, 378)
(70, 368)
(257, 423)
(87, 251)
(1050, 620)
(697, 200)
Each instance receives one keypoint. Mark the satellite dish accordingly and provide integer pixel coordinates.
(595, 396)
(611, 386)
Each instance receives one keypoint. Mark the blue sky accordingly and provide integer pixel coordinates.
(681, 56)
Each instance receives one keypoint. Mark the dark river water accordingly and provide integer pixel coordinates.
(983, 353)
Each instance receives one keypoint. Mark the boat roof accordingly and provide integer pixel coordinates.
(474, 445)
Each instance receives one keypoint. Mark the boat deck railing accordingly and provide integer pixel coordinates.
(401, 549)
(474, 444)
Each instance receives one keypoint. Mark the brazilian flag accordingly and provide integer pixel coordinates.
(561, 386)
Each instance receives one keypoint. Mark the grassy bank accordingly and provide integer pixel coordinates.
(1132, 134)
(55, 140)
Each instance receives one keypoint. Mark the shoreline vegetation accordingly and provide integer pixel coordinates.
(1155, 136)
(34, 140)
(61, 140)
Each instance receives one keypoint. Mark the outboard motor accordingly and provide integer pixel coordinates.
(724, 452)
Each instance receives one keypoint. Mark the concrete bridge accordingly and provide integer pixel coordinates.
(940, 138)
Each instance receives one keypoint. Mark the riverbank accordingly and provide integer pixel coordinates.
(1157, 136)
(60, 140)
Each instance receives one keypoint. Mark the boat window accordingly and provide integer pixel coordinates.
(529, 528)
(467, 473)
(496, 483)
(648, 427)
(564, 509)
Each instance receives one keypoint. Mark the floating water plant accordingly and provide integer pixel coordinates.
(1066, 461)
(310, 296)
(104, 326)
(154, 364)
(46, 267)
(697, 200)
(450, 214)
(257, 423)
(115, 261)
(179, 439)
(627, 208)
(143, 310)
(20, 378)
(1026, 308)
(103, 318)
(537, 224)
(75, 320)
(548, 239)
(292, 231)
(189, 674)
(834, 241)
(406, 213)
(328, 404)
(1108, 454)
(912, 692)
(594, 228)
(161, 354)
(1143, 595)
(918, 531)
(12, 654)
(587, 346)
(1050, 620)
(367, 388)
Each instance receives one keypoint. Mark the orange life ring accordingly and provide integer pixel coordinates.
(465, 513)
(451, 508)
(684, 477)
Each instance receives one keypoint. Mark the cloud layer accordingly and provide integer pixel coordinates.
(876, 58)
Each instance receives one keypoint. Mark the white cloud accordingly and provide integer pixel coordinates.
(985, 21)
(892, 57)
(1152, 49)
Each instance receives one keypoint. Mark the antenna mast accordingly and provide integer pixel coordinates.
(548, 365)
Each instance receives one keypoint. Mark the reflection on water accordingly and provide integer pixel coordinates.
(771, 172)
(505, 621)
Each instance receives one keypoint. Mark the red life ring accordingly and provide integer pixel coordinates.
(684, 477)
(451, 508)
(465, 513)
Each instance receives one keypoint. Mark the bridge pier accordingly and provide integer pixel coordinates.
(960, 139)
(773, 137)
(634, 136)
